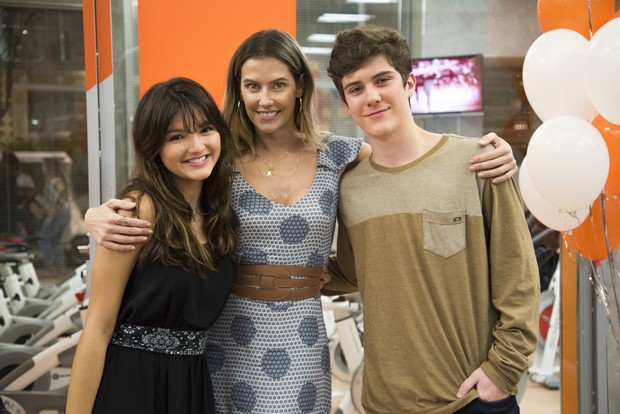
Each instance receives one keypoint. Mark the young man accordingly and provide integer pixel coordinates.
(444, 260)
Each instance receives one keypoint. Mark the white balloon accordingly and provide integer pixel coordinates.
(568, 162)
(551, 216)
(602, 71)
(553, 75)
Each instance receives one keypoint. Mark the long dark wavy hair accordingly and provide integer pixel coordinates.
(173, 242)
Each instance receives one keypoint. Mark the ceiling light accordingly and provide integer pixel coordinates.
(322, 38)
(344, 18)
(316, 50)
(372, 1)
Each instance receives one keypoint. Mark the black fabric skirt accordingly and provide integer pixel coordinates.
(137, 381)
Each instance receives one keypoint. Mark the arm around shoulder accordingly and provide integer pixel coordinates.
(103, 223)
(499, 163)
(364, 152)
(341, 266)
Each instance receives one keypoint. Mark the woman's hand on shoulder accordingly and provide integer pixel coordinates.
(365, 151)
(499, 163)
(107, 225)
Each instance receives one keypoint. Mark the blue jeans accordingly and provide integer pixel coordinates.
(506, 406)
(50, 241)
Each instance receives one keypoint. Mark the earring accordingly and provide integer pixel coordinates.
(300, 104)
(239, 104)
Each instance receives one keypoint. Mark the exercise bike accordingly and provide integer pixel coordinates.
(29, 281)
(344, 324)
(21, 286)
(60, 316)
(544, 369)
(40, 382)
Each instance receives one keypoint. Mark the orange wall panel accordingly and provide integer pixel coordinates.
(90, 57)
(97, 41)
(196, 38)
(568, 331)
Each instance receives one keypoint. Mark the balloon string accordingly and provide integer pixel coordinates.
(572, 233)
(607, 294)
(612, 313)
(614, 280)
(596, 278)
(604, 223)
(613, 316)
(590, 17)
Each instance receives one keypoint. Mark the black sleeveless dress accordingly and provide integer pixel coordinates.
(155, 362)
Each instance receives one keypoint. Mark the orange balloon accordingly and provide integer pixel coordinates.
(573, 15)
(611, 135)
(589, 238)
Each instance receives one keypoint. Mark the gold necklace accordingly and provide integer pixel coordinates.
(290, 183)
(271, 168)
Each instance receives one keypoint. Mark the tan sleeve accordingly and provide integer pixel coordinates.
(515, 285)
(341, 266)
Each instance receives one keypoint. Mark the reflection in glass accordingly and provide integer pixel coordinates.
(43, 161)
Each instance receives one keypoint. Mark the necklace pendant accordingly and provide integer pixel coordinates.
(270, 172)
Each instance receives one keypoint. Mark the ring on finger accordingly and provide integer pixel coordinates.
(122, 221)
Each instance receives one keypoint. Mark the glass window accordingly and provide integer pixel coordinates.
(499, 32)
(43, 166)
(317, 24)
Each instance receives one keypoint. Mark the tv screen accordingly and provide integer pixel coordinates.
(447, 84)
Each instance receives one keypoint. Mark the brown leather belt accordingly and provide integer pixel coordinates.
(270, 282)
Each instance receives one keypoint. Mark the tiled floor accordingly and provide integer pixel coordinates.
(540, 400)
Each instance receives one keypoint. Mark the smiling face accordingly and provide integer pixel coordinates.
(269, 92)
(190, 155)
(376, 98)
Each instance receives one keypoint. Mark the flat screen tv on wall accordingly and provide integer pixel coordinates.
(447, 84)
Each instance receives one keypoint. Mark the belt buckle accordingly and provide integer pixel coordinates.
(268, 282)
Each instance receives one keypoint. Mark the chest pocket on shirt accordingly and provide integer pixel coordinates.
(444, 232)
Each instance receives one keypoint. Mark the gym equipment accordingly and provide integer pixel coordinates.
(544, 369)
(18, 329)
(344, 321)
(40, 382)
(35, 379)
(60, 299)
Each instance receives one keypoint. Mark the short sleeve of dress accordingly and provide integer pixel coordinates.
(339, 152)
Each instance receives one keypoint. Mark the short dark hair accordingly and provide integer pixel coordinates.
(353, 47)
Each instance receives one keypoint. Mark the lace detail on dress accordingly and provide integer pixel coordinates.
(164, 341)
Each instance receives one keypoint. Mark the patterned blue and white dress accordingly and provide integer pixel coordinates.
(272, 357)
